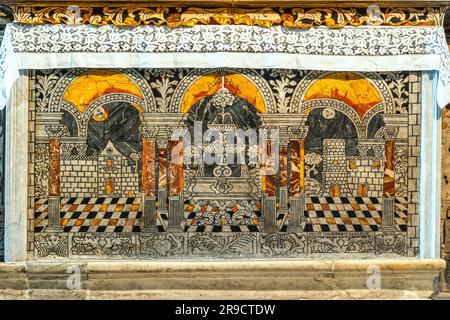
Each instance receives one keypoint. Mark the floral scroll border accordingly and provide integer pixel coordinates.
(191, 16)
(149, 246)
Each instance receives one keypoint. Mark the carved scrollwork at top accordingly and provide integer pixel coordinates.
(269, 133)
(177, 133)
(297, 133)
(375, 151)
(266, 17)
(387, 133)
(148, 132)
(56, 131)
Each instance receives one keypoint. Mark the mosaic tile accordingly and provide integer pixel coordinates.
(107, 162)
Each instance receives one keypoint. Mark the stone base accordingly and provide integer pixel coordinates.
(53, 229)
(387, 228)
(321, 279)
(150, 229)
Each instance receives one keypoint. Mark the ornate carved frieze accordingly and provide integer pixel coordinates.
(283, 244)
(267, 17)
(390, 242)
(321, 243)
(51, 244)
(387, 133)
(222, 245)
(161, 245)
(249, 245)
(106, 244)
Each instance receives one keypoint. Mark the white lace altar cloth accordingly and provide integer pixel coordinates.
(234, 46)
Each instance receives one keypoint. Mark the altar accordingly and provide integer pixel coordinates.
(168, 134)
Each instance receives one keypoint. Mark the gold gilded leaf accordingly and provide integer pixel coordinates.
(267, 17)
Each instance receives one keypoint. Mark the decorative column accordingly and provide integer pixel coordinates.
(176, 202)
(148, 136)
(297, 137)
(387, 221)
(163, 124)
(162, 141)
(274, 159)
(269, 172)
(54, 132)
(283, 170)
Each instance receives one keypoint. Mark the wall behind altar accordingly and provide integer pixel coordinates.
(356, 167)
(445, 191)
(2, 164)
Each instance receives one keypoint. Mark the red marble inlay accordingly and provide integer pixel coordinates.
(283, 166)
(148, 168)
(269, 174)
(297, 177)
(176, 168)
(54, 169)
(389, 172)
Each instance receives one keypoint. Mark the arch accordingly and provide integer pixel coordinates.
(254, 80)
(379, 108)
(57, 97)
(338, 106)
(67, 107)
(68, 119)
(372, 77)
(116, 97)
(374, 123)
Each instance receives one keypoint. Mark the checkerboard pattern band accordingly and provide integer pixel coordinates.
(323, 214)
(92, 214)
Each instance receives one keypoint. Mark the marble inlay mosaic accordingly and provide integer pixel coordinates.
(149, 151)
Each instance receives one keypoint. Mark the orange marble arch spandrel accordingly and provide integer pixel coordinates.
(348, 87)
(209, 84)
(94, 84)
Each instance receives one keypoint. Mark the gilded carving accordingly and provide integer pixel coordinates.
(266, 17)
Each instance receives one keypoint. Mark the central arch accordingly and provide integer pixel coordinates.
(246, 84)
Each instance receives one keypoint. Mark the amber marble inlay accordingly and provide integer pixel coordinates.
(148, 168)
(297, 172)
(294, 179)
(269, 174)
(283, 166)
(389, 172)
(54, 168)
(176, 167)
